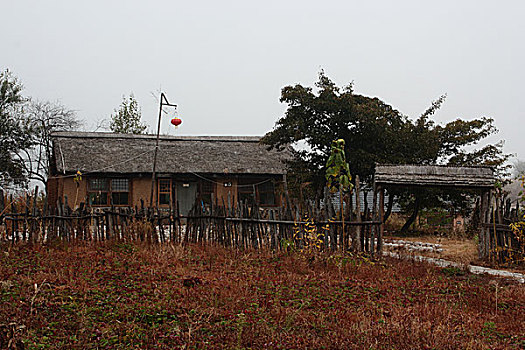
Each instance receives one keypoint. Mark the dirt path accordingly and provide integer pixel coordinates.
(471, 268)
(445, 252)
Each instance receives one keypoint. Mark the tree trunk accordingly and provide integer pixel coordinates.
(412, 217)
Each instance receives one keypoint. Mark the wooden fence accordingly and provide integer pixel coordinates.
(497, 241)
(241, 225)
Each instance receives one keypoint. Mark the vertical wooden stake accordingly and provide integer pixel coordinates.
(343, 238)
(370, 246)
(381, 215)
(357, 243)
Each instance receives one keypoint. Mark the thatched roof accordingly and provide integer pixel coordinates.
(434, 175)
(123, 153)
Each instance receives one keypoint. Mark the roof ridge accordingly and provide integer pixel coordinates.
(435, 165)
(110, 135)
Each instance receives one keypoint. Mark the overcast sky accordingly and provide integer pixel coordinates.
(225, 62)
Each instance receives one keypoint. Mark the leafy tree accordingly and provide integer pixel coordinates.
(126, 119)
(15, 134)
(451, 144)
(315, 118)
(376, 133)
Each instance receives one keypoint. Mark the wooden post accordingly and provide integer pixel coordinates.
(484, 237)
(481, 234)
(330, 214)
(34, 224)
(370, 246)
(488, 243)
(381, 215)
(342, 212)
(357, 243)
(286, 195)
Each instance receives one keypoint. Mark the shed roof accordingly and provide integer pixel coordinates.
(96, 152)
(435, 175)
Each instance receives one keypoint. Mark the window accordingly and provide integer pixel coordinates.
(245, 191)
(120, 191)
(266, 193)
(98, 192)
(263, 193)
(104, 192)
(164, 191)
(206, 191)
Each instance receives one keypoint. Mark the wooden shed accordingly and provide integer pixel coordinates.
(480, 178)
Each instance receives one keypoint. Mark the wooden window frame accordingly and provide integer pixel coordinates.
(246, 192)
(274, 193)
(170, 201)
(112, 191)
(207, 191)
(243, 191)
(109, 191)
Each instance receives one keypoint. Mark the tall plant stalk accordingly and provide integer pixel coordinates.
(338, 175)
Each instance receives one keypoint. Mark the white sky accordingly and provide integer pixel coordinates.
(225, 62)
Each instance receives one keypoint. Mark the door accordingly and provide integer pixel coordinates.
(186, 194)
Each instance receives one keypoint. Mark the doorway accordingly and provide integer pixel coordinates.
(186, 194)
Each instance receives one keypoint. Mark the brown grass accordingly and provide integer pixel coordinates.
(116, 296)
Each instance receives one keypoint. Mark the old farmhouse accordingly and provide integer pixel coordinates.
(117, 170)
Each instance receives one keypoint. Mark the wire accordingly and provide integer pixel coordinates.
(106, 167)
(220, 183)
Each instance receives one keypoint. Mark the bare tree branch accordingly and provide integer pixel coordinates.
(45, 118)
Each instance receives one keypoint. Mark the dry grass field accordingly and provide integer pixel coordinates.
(134, 296)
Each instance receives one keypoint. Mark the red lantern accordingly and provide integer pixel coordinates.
(176, 121)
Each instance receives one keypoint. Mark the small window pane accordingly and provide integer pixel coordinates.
(206, 192)
(207, 187)
(267, 198)
(164, 198)
(246, 197)
(120, 198)
(98, 184)
(164, 185)
(98, 198)
(266, 193)
(266, 187)
(121, 185)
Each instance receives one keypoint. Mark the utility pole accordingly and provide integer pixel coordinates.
(163, 102)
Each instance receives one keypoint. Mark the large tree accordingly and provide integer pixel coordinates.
(370, 128)
(374, 133)
(44, 119)
(26, 126)
(126, 119)
(15, 133)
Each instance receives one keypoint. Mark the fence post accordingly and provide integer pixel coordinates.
(381, 215)
(357, 243)
(373, 230)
